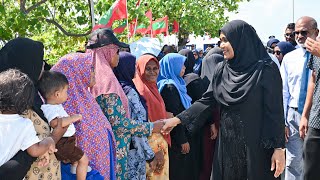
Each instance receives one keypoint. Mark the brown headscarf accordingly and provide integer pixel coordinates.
(149, 90)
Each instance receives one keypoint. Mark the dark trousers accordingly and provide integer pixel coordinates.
(17, 167)
(311, 155)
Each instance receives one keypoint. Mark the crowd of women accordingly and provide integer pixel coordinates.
(123, 112)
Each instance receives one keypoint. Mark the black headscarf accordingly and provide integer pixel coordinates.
(235, 78)
(209, 63)
(190, 61)
(27, 56)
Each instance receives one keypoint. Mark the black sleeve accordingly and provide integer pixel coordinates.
(273, 124)
(196, 116)
(171, 98)
(17, 167)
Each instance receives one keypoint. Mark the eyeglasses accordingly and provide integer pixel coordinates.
(289, 35)
(277, 52)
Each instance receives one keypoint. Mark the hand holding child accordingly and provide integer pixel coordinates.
(76, 117)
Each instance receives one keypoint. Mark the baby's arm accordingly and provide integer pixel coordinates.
(38, 149)
(66, 121)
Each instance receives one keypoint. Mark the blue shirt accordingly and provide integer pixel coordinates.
(291, 72)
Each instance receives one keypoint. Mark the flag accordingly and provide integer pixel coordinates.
(99, 26)
(120, 28)
(160, 26)
(144, 29)
(138, 3)
(175, 28)
(117, 11)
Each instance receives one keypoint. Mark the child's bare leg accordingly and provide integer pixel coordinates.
(82, 167)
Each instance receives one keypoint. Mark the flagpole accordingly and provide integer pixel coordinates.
(135, 25)
(92, 13)
(127, 20)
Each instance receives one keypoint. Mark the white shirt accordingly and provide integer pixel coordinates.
(16, 133)
(291, 72)
(51, 112)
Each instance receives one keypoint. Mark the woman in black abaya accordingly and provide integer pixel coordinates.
(249, 90)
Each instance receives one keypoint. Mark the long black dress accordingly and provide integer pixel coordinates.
(182, 166)
(249, 131)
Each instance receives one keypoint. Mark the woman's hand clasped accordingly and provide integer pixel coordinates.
(169, 124)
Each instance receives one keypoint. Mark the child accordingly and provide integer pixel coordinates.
(18, 133)
(53, 87)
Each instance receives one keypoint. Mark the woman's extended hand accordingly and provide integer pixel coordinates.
(169, 125)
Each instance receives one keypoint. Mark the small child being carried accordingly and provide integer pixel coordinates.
(17, 133)
(53, 87)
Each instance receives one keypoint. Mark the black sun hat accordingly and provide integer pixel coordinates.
(103, 37)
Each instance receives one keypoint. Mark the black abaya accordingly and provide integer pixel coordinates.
(249, 131)
(182, 166)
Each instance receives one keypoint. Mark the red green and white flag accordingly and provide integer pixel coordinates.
(121, 27)
(144, 29)
(175, 28)
(160, 26)
(117, 11)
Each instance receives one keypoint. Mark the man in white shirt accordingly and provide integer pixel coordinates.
(292, 70)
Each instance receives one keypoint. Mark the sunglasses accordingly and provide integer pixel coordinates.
(303, 33)
(118, 51)
(269, 50)
(277, 52)
(289, 35)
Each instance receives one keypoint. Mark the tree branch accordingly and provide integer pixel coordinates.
(64, 31)
(31, 8)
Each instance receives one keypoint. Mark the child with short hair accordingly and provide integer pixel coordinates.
(18, 133)
(53, 87)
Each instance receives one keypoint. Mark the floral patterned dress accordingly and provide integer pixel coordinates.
(52, 170)
(142, 151)
(123, 128)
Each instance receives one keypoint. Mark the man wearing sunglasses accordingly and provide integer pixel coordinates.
(289, 36)
(295, 76)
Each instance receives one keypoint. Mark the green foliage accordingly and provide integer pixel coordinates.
(39, 19)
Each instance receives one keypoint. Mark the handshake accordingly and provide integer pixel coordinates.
(164, 126)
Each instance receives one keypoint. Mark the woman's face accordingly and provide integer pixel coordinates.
(225, 45)
(151, 71)
(277, 53)
(183, 69)
(115, 60)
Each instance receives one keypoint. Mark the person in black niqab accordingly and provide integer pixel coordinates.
(247, 86)
(27, 56)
